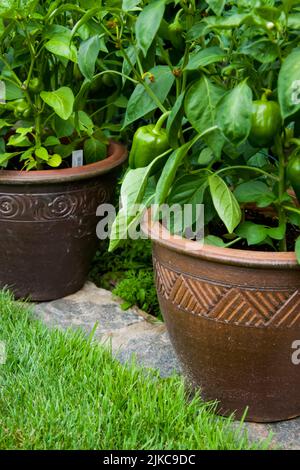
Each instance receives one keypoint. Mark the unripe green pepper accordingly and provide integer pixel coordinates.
(96, 84)
(175, 31)
(76, 72)
(148, 143)
(35, 85)
(293, 173)
(108, 80)
(163, 30)
(21, 108)
(266, 122)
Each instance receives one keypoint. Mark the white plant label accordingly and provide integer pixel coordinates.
(77, 158)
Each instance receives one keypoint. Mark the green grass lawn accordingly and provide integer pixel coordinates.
(59, 390)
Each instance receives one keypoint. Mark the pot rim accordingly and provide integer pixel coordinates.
(117, 155)
(230, 256)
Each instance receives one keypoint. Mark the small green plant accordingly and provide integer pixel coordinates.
(128, 272)
(138, 288)
(53, 56)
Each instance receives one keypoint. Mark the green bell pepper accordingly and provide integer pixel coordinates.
(148, 143)
(176, 30)
(266, 122)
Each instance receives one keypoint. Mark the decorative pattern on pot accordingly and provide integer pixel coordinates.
(229, 304)
(55, 206)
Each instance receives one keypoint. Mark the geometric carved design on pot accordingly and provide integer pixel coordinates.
(165, 279)
(195, 296)
(249, 308)
(227, 304)
(289, 314)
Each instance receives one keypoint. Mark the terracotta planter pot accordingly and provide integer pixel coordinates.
(233, 317)
(48, 225)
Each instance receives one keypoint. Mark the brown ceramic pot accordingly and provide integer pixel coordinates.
(233, 317)
(48, 225)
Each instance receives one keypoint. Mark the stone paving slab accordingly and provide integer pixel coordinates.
(130, 332)
(133, 332)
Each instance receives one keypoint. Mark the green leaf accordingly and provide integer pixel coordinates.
(206, 157)
(140, 103)
(297, 249)
(12, 91)
(62, 47)
(131, 5)
(61, 100)
(196, 31)
(127, 66)
(256, 234)
(234, 113)
(42, 153)
(253, 233)
(54, 160)
(87, 56)
(268, 13)
(189, 189)
(27, 155)
(63, 128)
(4, 123)
(278, 233)
(24, 130)
(217, 6)
(294, 21)
(224, 202)
(51, 141)
(65, 150)
(94, 150)
(5, 157)
(17, 140)
(253, 191)
(200, 108)
(264, 51)
(148, 24)
(133, 193)
(215, 241)
(169, 172)
(174, 122)
(83, 122)
(227, 23)
(289, 85)
(205, 57)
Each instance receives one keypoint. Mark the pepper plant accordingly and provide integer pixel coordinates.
(53, 55)
(226, 76)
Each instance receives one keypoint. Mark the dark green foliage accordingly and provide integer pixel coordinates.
(138, 288)
(129, 273)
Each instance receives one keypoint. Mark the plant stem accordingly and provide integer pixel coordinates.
(161, 121)
(154, 97)
(281, 187)
(38, 131)
(250, 168)
(116, 73)
(293, 209)
(233, 242)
